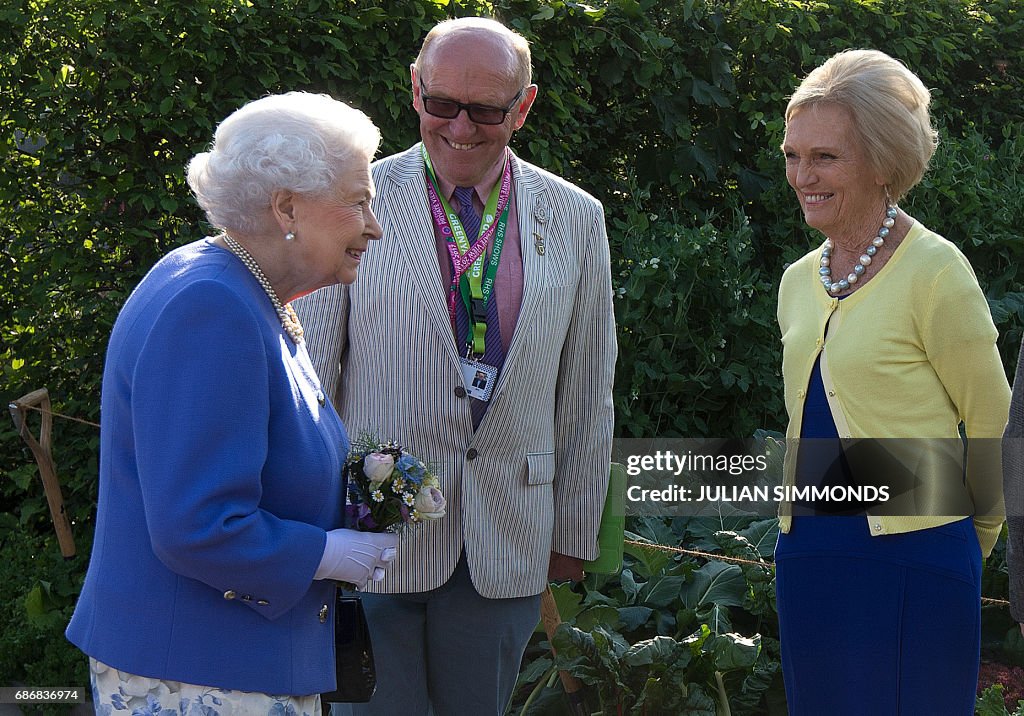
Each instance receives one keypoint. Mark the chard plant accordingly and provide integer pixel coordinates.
(674, 631)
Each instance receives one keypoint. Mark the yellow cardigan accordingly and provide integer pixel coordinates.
(911, 354)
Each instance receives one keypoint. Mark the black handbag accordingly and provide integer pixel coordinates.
(357, 676)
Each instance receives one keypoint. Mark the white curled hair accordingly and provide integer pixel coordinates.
(298, 141)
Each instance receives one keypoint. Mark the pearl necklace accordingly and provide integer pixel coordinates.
(825, 272)
(286, 314)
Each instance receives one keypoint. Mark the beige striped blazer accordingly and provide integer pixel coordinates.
(532, 478)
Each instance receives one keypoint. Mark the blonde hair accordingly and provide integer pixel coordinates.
(889, 107)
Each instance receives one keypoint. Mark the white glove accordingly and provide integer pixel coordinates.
(356, 557)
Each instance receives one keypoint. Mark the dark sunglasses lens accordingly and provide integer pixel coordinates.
(486, 115)
(441, 108)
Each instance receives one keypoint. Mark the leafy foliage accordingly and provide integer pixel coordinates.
(676, 633)
(991, 703)
(669, 113)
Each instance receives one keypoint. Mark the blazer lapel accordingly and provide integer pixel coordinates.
(415, 237)
(534, 219)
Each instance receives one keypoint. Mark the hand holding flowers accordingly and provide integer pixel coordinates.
(388, 488)
(354, 558)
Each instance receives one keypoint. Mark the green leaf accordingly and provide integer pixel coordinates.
(593, 657)
(706, 93)
(598, 616)
(658, 650)
(35, 602)
(662, 591)
(991, 703)
(699, 703)
(734, 651)
(651, 560)
(536, 669)
(41, 609)
(569, 604)
(629, 586)
(632, 618)
(717, 619)
(762, 535)
(651, 529)
(715, 583)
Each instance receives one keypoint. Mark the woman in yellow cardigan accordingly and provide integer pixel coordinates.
(886, 335)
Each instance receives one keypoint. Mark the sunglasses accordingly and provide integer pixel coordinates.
(478, 113)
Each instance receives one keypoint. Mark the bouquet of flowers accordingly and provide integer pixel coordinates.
(388, 488)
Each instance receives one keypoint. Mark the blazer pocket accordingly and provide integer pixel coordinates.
(540, 468)
(559, 280)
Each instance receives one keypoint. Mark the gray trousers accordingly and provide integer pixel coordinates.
(449, 651)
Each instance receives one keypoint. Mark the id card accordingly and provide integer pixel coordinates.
(479, 378)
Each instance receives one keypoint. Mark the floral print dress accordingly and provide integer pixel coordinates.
(119, 692)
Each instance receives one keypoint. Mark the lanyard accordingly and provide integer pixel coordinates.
(469, 278)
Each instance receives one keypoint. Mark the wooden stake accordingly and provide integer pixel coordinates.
(550, 617)
(41, 449)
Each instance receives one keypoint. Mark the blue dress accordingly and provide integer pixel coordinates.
(875, 625)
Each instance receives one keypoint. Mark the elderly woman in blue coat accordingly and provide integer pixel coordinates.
(220, 496)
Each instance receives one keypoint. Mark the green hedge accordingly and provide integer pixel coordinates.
(670, 113)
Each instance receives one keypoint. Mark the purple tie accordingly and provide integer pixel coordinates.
(494, 351)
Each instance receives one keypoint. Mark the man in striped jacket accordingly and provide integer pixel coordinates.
(481, 336)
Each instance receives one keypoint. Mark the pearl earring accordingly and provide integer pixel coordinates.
(290, 236)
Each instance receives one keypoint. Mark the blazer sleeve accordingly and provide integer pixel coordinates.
(1013, 489)
(960, 341)
(323, 315)
(199, 414)
(584, 414)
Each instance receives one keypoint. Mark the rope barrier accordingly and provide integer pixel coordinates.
(636, 543)
(739, 560)
(698, 553)
(15, 406)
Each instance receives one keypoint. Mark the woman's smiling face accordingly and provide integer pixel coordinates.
(829, 170)
(333, 231)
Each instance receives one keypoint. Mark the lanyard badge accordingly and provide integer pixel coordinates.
(479, 378)
(470, 281)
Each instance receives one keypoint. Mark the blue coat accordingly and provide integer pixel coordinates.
(219, 475)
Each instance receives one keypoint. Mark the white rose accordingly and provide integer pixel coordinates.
(378, 466)
(140, 685)
(430, 503)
